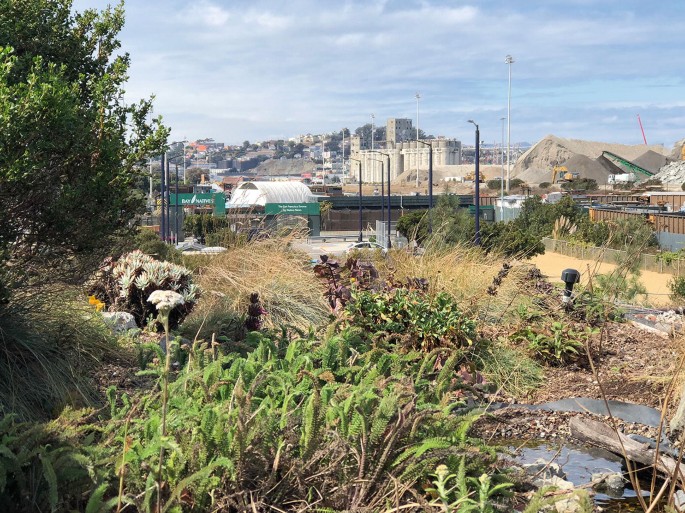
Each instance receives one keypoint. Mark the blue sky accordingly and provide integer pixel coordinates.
(260, 69)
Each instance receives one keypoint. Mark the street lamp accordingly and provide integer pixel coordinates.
(418, 97)
(361, 226)
(430, 181)
(382, 188)
(509, 60)
(389, 211)
(501, 178)
(477, 200)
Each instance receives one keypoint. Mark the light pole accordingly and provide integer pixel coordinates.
(418, 97)
(361, 226)
(501, 178)
(373, 129)
(477, 200)
(509, 60)
(430, 181)
(343, 155)
(382, 188)
(387, 156)
(162, 192)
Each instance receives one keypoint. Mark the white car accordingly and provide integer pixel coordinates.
(365, 246)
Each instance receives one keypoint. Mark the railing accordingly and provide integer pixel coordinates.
(647, 262)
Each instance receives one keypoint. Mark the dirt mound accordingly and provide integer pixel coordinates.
(536, 164)
(587, 168)
(651, 161)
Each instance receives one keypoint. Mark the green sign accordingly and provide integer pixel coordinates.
(193, 200)
(216, 200)
(307, 209)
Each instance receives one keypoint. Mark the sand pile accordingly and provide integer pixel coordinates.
(538, 161)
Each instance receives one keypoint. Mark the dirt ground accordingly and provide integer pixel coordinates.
(551, 265)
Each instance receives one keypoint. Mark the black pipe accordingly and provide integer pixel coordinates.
(477, 240)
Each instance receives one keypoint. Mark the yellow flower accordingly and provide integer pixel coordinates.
(99, 305)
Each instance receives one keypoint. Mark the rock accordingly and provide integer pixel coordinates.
(679, 501)
(119, 322)
(543, 470)
(611, 483)
(555, 481)
(571, 505)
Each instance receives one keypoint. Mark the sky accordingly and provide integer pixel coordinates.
(236, 70)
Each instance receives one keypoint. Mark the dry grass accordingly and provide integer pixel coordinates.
(289, 291)
(466, 273)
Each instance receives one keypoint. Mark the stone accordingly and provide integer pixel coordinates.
(544, 470)
(679, 501)
(119, 322)
(556, 481)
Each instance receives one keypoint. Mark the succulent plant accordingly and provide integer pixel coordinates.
(126, 284)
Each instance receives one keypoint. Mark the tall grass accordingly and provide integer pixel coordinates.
(288, 289)
(465, 272)
(49, 342)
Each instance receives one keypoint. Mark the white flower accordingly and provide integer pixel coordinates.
(165, 300)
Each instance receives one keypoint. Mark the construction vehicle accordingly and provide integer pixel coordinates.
(563, 174)
(471, 177)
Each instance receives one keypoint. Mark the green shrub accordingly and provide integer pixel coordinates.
(557, 345)
(415, 319)
(545, 185)
(124, 286)
(495, 184)
(677, 287)
(149, 243)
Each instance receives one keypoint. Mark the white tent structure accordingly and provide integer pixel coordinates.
(251, 194)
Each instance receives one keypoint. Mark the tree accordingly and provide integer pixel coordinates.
(194, 174)
(70, 143)
(364, 132)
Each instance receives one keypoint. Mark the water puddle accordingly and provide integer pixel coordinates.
(579, 463)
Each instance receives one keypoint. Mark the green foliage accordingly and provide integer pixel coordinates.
(149, 243)
(49, 345)
(202, 225)
(71, 144)
(126, 284)
(556, 345)
(495, 184)
(538, 218)
(580, 184)
(269, 426)
(545, 185)
(411, 317)
(677, 287)
(48, 467)
(510, 240)
(414, 225)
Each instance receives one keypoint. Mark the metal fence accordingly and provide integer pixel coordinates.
(647, 262)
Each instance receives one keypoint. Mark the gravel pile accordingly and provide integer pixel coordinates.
(652, 161)
(536, 164)
(672, 173)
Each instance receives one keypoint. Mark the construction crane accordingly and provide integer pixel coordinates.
(564, 175)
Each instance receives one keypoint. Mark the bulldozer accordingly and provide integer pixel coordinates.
(562, 174)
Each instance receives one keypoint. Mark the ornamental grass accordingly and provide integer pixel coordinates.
(289, 291)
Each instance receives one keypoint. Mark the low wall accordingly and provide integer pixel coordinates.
(613, 256)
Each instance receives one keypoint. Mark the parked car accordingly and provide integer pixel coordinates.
(365, 246)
